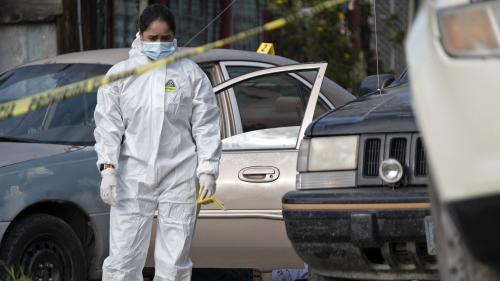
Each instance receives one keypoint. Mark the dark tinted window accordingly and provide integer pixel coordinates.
(271, 101)
(235, 71)
(70, 121)
(289, 82)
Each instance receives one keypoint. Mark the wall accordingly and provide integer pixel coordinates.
(28, 29)
(22, 43)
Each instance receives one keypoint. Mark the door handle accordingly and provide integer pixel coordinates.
(259, 174)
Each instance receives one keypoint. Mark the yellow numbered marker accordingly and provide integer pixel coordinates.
(266, 48)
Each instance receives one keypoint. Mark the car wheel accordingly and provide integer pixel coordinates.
(45, 248)
(454, 259)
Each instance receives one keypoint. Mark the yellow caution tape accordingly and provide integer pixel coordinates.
(208, 200)
(27, 104)
(266, 48)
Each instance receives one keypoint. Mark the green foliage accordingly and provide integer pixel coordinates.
(11, 275)
(324, 37)
(397, 34)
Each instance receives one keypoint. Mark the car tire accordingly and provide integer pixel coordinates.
(45, 248)
(454, 259)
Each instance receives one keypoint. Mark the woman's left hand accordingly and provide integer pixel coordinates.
(208, 183)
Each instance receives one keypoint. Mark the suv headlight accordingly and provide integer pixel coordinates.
(471, 30)
(327, 162)
(328, 154)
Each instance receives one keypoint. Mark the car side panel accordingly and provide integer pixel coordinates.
(251, 232)
(249, 243)
(70, 177)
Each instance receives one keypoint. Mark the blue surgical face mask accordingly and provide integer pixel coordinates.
(158, 50)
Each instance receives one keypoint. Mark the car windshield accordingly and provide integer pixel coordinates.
(70, 121)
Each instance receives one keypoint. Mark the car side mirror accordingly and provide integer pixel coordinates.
(370, 83)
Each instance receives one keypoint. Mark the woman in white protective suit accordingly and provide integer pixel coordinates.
(157, 137)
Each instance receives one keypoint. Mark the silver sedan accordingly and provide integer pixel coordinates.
(52, 220)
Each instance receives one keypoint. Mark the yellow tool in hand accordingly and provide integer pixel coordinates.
(210, 199)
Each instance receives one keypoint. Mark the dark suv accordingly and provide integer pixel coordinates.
(361, 208)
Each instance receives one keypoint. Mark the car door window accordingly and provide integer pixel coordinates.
(209, 73)
(270, 109)
(271, 101)
(238, 70)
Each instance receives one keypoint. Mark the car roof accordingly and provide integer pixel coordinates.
(113, 56)
(332, 90)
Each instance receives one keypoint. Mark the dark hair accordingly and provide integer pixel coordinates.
(156, 12)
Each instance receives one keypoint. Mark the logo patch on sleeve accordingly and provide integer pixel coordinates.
(170, 86)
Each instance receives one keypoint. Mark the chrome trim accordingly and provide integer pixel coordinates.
(243, 63)
(268, 65)
(244, 214)
(287, 68)
(232, 101)
(359, 206)
(322, 180)
(313, 99)
(234, 214)
(269, 174)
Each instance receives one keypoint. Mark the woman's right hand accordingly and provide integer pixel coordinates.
(108, 186)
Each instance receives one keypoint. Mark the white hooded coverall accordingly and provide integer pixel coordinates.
(161, 131)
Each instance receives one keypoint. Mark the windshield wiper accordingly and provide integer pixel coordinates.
(16, 139)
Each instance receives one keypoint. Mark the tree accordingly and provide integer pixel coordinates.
(333, 36)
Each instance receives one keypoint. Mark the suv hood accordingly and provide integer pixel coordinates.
(389, 112)
(13, 152)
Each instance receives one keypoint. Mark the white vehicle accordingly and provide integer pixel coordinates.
(453, 57)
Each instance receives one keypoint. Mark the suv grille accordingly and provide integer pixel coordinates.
(408, 149)
(371, 158)
(420, 163)
(397, 149)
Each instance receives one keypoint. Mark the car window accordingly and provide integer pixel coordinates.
(69, 121)
(271, 101)
(238, 70)
(209, 73)
(271, 109)
(274, 138)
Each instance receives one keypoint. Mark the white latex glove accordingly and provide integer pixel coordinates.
(108, 186)
(208, 182)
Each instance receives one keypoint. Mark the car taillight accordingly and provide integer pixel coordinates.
(471, 30)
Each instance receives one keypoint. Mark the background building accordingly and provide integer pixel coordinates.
(345, 37)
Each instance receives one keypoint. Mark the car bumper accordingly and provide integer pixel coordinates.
(375, 233)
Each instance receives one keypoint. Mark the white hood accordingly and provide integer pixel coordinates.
(136, 46)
